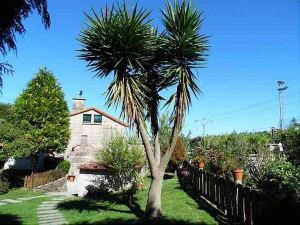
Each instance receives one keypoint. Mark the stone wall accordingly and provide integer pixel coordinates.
(59, 185)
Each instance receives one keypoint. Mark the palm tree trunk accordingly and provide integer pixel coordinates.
(153, 207)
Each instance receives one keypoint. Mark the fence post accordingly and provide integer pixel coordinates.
(241, 205)
(248, 213)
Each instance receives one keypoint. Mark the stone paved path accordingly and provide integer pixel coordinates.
(19, 200)
(49, 214)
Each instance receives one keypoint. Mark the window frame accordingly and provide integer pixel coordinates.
(96, 115)
(85, 121)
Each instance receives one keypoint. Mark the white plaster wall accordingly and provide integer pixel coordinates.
(97, 133)
(84, 180)
(24, 163)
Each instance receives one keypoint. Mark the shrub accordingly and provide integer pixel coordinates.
(124, 159)
(64, 165)
(281, 180)
(4, 185)
(225, 152)
(290, 140)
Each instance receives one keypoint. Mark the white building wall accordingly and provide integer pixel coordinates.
(97, 134)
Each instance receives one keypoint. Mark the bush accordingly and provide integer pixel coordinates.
(4, 185)
(64, 165)
(225, 152)
(124, 159)
(281, 180)
(290, 140)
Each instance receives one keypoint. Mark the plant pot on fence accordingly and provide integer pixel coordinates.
(238, 175)
(201, 165)
(71, 178)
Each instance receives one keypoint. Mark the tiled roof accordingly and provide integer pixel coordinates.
(92, 166)
(102, 113)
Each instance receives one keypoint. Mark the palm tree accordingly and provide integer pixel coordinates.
(121, 43)
(12, 14)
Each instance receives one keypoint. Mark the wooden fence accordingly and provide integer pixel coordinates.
(240, 204)
(37, 179)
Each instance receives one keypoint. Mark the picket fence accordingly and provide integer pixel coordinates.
(37, 179)
(239, 203)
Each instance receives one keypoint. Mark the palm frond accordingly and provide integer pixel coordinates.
(186, 50)
(121, 43)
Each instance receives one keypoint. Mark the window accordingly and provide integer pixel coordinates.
(97, 118)
(87, 118)
(83, 141)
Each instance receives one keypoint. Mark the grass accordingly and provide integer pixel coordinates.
(20, 213)
(18, 193)
(111, 209)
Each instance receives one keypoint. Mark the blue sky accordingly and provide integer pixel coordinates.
(253, 43)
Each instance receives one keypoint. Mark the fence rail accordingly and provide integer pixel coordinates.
(240, 204)
(37, 179)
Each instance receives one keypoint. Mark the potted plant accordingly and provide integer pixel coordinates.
(200, 161)
(235, 164)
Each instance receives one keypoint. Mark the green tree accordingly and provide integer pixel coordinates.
(12, 15)
(5, 111)
(144, 63)
(178, 154)
(290, 139)
(13, 141)
(42, 112)
(124, 159)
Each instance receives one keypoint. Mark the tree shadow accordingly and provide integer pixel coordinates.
(203, 205)
(15, 178)
(163, 221)
(104, 202)
(10, 219)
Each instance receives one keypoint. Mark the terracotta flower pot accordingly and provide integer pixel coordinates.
(201, 165)
(71, 178)
(238, 175)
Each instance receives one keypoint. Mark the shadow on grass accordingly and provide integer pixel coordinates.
(203, 205)
(108, 202)
(10, 219)
(138, 222)
(105, 202)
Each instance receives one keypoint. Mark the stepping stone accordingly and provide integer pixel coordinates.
(24, 199)
(55, 201)
(58, 199)
(53, 221)
(2, 203)
(46, 208)
(52, 216)
(52, 211)
(10, 201)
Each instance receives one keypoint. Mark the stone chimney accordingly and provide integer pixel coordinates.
(78, 104)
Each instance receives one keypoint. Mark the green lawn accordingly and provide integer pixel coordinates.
(111, 209)
(20, 213)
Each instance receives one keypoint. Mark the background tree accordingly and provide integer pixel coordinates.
(42, 112)
(143, 64)
(12, 15)
(12, 139)
(179, 152)
(290, 139)
(5, 111)
(13, 142)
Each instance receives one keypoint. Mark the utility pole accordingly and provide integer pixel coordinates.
(281, 87)
(204, 122)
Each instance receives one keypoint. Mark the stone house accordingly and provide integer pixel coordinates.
(90, 128)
